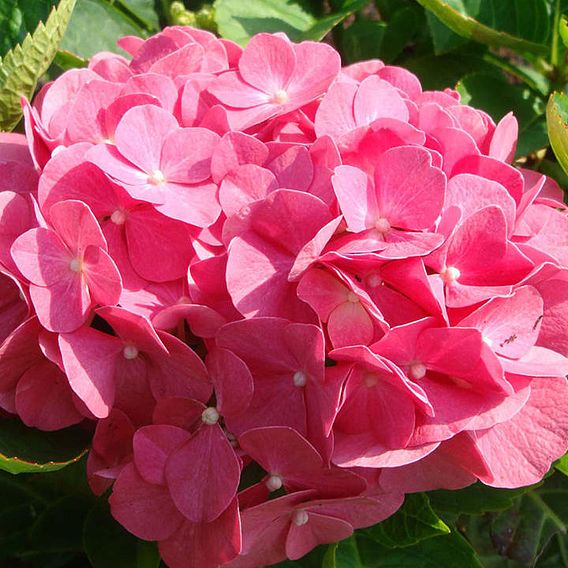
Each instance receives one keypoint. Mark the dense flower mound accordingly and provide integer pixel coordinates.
(283, 292)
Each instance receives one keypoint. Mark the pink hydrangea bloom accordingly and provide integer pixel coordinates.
(284, 294)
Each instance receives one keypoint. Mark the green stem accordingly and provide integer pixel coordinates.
(554, 53)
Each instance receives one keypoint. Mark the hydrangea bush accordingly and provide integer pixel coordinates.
(283, 293)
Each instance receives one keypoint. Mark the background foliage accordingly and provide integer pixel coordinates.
(501, 55)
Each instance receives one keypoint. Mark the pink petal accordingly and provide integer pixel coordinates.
(76, 225)
(410, 190)
(43, 399)
(267, 63)
(356, 196)
(232, 380)
(519, 452)
(376, 99)
(203, 475)
(152, 447)
(205, 545)
(318, 529)
(141, 133)
(186, 155)
(144, 509)
(102, 276)
(64, 306)
(89, 358)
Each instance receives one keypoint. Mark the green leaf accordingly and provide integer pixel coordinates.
(19, 17)
(144, 11)
(27, 450)
(439, 72)
(22, 66)
(107, 544)
(96, 26)
(449, 551)
(562, 464)
(344, 554)
(60, 527)
(520, 535)
(515, 24)
(239, 21)
(372, 39)
(413, 522)
(563, 30)
(557, 123)
(475, 499)
(497, 97)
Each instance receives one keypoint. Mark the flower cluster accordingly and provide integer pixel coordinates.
(284, 293)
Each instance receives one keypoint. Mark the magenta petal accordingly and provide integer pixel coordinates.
(44, 399)
(203, 475)
(318, 529)
(144, 509)
(152, 447)
(232, 379)
(204, 545)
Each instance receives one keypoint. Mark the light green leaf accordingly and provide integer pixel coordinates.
(239, 21)
(563, 30)
(96, 26)
(413, 522)
(27, 450)
(557, 123)
(515, 24)
(562, 464)
(22, 66)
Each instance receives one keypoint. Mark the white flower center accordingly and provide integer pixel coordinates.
(280, 97)
(76, 265)
(352, 297)
(300, 379)
(210, 416)
(382, 225)
(156, 178)
(371, 380)
(374, 280)
(417, 370)
(118, 217)
(300, 518)
(450, 274)
(274, 483)
(130, 352)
